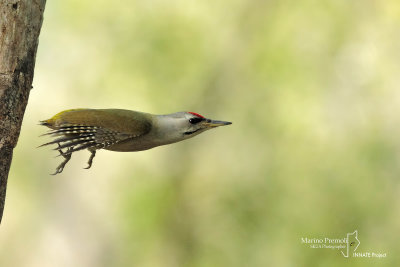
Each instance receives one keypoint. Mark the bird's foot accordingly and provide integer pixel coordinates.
(67, 156)
(90, 161)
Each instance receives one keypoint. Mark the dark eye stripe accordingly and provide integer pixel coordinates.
(195, 120)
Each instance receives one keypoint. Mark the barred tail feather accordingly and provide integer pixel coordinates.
(85, 146)
(70, 138)
(72, 135)
(63, 131)
(58, 140)
(75, 143)
(79, 137)
(44, 123)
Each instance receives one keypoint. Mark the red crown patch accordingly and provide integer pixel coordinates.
(196, 114)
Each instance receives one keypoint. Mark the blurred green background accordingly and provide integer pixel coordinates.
(312, 88)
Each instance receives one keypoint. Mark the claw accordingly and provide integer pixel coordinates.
(67, 156)
(90, 161)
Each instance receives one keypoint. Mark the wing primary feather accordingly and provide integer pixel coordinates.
(58, 140)
(82, 146)
(74, 143)
(72, 130)
(63, 132)
(70, 138)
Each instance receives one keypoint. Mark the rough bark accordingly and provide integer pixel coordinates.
(20, 23)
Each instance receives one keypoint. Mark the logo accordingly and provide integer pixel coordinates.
(347, 245)
(352, 243)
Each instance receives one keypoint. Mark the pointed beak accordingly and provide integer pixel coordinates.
(214, 123)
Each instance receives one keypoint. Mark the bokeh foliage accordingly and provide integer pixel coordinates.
(312, 90)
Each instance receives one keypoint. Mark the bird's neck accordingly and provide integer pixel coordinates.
(166, 130)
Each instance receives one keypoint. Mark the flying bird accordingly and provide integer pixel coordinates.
(120, 130)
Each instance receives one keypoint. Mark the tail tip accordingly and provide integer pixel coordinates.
(44, 123)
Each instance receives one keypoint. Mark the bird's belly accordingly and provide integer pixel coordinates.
(129, 147)
(136, 144)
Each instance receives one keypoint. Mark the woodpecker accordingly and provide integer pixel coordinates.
(120, 130)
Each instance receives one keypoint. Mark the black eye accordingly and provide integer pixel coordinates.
(195, 120)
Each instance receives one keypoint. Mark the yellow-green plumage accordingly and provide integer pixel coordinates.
(118, 120)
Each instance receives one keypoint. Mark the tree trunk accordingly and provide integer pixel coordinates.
(20, 23)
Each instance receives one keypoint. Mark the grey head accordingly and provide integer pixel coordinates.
(179, 126)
